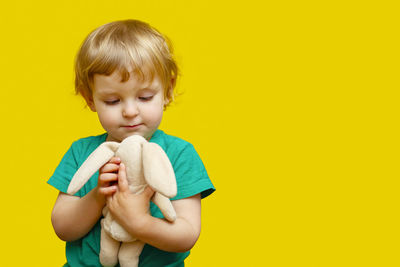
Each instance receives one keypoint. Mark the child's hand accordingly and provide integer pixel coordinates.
(130, 210)
(108, 177)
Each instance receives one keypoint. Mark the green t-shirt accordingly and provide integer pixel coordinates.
(191, 178)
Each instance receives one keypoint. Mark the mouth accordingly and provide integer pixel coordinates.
(131, 126)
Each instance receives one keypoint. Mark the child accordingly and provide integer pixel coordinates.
(126, 73)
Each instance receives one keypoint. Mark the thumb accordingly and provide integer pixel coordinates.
(148, 191)
(122, 181)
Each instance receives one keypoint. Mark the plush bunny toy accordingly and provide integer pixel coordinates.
(146, 164)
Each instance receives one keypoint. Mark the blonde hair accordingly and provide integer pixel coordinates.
(123, 46)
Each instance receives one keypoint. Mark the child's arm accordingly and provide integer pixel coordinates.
(73, 217)
(131, 211)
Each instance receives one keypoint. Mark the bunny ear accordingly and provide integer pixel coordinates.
(158, 171)
(98, 158)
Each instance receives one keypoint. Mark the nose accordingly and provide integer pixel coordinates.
(130, 109)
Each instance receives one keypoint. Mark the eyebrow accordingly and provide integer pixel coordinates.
(106, 92)
(153, 86)
(154, 89)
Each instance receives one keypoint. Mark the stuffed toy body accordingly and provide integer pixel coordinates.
(146, 165)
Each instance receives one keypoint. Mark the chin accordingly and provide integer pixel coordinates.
(147, 136)
(135, 133)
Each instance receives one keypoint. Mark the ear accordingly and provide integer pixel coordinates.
(89, 101)
(166, 102)
(95, 161)
(91, 105)
(173, 82)
(170, 94)
(158, 171)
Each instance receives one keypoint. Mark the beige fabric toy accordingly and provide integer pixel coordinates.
(146, 164)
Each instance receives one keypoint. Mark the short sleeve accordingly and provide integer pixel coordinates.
(190, 173)
(66, 169)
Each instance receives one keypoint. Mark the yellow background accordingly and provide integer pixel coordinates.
(292, 105)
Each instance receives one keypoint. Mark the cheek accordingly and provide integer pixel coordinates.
(106, 117)
(154, 112)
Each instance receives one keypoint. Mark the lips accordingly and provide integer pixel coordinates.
(131, 126)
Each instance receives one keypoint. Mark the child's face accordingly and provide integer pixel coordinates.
(128, 108)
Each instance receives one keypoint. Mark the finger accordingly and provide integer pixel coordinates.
(122, 181)
(108, 190)
(148, 191)
(109, 167)
(109, 200)
(115, 160)
(108, 177)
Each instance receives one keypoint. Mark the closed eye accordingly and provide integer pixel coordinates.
(112, 102)
(145, 98)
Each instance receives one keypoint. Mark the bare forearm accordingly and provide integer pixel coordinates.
(131, 211)
(73, 217)
(178, 236)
